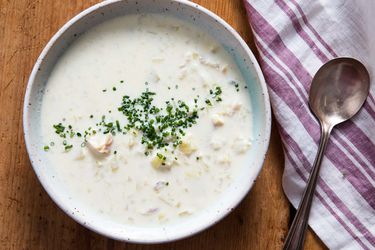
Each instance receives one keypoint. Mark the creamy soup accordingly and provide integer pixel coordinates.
(146, 119)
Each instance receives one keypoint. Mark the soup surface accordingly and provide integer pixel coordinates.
(146, 119)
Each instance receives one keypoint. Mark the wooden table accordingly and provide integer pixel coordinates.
(28, 217)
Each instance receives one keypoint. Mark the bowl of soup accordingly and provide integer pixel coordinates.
(146, 121)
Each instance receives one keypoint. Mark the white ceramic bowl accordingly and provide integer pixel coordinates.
(189, 12)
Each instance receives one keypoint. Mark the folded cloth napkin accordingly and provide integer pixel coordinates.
(294, 38)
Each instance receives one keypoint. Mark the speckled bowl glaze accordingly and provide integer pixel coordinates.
(189, 12)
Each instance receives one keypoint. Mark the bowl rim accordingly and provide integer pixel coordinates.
(263, 150)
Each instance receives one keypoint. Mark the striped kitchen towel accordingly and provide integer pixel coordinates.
(294, 38)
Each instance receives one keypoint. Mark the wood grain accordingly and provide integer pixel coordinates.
(28, 217)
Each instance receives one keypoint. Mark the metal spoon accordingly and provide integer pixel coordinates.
(338, 91)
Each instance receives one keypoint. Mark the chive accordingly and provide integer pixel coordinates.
(161, 157)
(218, 91)
(59, 128)
(122, 81)
(118, 126)
(68, 147)
(91, 116)
(114, 88)
(46, 148)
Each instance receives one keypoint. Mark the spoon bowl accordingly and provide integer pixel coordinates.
(338, 91)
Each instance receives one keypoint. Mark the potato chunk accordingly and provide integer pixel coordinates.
(217, 120)
(161, 164)
(186, 148)
(156, 162)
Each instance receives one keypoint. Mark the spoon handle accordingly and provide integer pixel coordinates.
(297, 232)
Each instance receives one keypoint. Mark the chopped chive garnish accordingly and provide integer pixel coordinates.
(46, 148)
(159, 127)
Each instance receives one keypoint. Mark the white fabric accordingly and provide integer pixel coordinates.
(294, 38)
